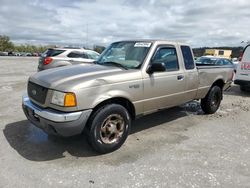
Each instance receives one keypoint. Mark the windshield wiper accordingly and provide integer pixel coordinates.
(113, 63)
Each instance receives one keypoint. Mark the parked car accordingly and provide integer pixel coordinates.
(35, 54)
(58, 57)
(3, 53)
(212, 60)
(242, 76)
(129, 80)
(235, 60)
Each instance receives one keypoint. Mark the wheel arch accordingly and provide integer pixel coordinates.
(126, 103)
(219, 83)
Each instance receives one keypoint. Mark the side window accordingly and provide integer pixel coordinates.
(168, 57)
(74, 54)
(221, 52)
(83, 55)
(188, 58)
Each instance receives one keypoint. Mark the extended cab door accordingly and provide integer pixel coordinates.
(164, 88)
(191, 73)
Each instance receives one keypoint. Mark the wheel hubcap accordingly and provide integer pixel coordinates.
(216, 99)
(112, 128)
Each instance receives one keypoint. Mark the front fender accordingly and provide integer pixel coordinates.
(91, 97)
(111, 94)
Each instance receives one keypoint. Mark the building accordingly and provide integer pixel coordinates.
(219, 53)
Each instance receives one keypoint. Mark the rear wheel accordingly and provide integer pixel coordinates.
(109, 128)
(211, 102)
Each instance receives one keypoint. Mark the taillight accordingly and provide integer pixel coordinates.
(47, 60)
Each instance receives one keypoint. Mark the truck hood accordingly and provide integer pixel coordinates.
(70, 76)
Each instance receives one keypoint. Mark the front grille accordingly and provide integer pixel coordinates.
(37, 92)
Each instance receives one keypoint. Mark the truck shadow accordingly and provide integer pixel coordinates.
(235, 91)
(35, 145)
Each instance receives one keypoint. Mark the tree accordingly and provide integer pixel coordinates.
(6, 44)
(99, 49)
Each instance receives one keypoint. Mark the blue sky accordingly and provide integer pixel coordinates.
(88, 22)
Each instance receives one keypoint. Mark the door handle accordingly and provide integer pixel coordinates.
(180, 77)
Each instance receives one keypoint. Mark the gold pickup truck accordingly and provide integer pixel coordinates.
(130, 79)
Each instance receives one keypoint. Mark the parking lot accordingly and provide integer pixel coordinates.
(177, 147)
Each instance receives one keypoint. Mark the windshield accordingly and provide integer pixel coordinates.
(206, 60)
(93, 55)
(129, 55)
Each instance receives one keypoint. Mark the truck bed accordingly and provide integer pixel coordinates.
(210, 73)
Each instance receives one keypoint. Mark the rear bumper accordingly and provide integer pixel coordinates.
(55, 122)
(39, 69)
(242, 82)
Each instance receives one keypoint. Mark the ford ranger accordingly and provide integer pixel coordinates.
(130, 79)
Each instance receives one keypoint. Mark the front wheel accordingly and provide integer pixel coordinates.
(109, 128)
(211, 102)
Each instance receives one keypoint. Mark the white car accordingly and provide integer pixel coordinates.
(58, 57)
(242, 76)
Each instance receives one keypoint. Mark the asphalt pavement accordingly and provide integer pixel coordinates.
(177, 147)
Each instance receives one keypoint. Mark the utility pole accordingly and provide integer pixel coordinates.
(87, 35)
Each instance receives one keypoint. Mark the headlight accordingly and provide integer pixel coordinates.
(63, 99)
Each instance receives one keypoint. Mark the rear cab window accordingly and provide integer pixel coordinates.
(187, 57)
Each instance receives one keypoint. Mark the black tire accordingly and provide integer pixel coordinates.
(211, 102)
(109, 128)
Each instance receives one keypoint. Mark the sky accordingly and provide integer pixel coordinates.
(100, 22)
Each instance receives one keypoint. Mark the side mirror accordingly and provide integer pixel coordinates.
(156, 67)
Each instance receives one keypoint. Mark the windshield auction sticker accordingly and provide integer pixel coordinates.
(143, 44)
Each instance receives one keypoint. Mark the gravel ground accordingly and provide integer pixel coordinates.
(178, 147)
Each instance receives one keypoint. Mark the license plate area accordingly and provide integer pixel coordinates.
(33, 115)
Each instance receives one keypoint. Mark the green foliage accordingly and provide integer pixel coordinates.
(235, 50)
(6, 44)
(30, 48)
(99, 49)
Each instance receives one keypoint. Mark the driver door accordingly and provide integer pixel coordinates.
(166, 88)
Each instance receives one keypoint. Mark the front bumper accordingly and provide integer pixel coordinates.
(55, 122)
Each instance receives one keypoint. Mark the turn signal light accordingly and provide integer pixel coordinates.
(69, 100)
